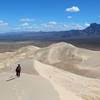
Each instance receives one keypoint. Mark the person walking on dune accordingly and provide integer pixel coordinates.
(18, 70)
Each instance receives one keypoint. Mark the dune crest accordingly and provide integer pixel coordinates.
(56, 53)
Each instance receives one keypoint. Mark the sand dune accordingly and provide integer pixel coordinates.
(56, 53)
(87, 88)
(27, 87)
(9, 59)
(70, 58)
(74, 73)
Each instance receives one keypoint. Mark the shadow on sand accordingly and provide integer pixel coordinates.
(11, 79)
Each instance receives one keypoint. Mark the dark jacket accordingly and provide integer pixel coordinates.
(18, 69)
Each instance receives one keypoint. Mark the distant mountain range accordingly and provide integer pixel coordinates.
(93, 31)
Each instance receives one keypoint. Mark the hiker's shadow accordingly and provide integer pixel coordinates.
(11, 79)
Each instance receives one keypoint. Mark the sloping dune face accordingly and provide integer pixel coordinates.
(8, 59)
(61, 52)
(61, 55)
(70, 58)
(27, 87)
(63, 81)
(74, 72)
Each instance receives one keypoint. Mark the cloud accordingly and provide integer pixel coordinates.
(4, 27)
(26, 20)
(73, 9)
(2, 23)
(69, 17)
(52, 23)
(24, 24)
(16, 29)
(78, 27)
(60, 27)
(49, 26)
(73, 26)
(87, 24)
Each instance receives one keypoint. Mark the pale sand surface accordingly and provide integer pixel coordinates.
(63, 81)
(70, 58)
(74, 73)
(27, 87)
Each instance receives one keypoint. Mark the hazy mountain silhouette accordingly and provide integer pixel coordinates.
(93, 31)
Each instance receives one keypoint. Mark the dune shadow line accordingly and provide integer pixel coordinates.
(11, 79)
